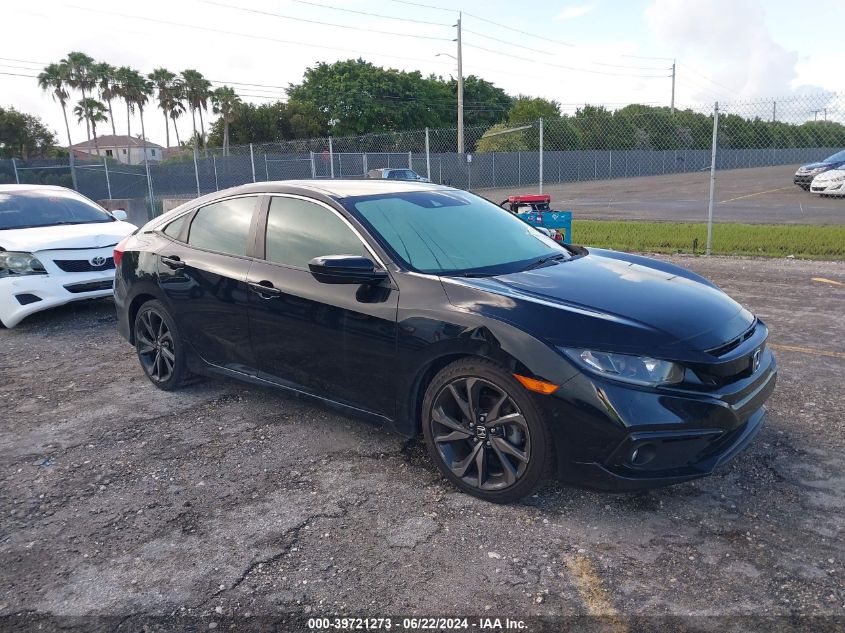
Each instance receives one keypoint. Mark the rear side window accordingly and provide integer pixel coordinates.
(223, 226)
(174, 229)
(298, 231)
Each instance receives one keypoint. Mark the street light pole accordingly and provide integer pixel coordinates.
(460, 90)
(673, 88)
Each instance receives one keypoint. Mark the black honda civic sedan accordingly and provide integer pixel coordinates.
(435, 312)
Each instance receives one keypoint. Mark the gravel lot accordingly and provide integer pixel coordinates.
(227, 503)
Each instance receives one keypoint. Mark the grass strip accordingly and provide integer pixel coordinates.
(760, 240)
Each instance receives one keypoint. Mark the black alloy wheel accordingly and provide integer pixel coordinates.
(159, 347)
(484, 432)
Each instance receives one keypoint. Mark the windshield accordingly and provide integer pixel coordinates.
(47, 207)
(838, 157)
(453, 232)
(402, 174)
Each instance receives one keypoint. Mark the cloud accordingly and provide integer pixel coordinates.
(727, 42)
(574, 11)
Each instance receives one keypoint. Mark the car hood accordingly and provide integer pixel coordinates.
(830, 174)
(603, 301)
(812, 166)
(66, 236)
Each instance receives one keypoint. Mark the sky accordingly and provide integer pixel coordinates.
(743, 53)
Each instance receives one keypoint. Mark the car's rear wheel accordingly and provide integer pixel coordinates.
(159, 346)
(484, 432)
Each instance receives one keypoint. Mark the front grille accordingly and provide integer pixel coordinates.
(734, 343)
(83, 265)
(91, 286)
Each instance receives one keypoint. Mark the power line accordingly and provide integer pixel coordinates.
(331, 24)
(573, 68)
(252, 36)
(715, 83)
(375, 15)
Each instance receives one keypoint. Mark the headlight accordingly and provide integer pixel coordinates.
(640, 370)
(838, 177)
(12, 263)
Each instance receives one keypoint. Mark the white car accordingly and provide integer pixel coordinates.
(56, 246)
(829, 183)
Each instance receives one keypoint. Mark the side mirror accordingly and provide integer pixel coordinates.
(345, 269)
(119, 214)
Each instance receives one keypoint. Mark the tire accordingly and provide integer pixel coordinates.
(516, 453)
(805, 187)
(159, 346)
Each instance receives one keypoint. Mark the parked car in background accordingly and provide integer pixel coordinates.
(55, 247)
(436, 312)
(806, 173)
(396, 174)
(830, 182)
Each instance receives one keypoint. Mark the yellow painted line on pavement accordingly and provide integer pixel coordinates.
(749, 195)
(827, 281)
(806, 350)
(595, 598)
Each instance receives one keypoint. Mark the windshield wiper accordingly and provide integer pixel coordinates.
(543, 260)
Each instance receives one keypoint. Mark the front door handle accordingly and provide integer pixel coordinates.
(172, 261)
(265, 289)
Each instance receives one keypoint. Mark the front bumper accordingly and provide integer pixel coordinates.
(613, 437)
(24, 295)
(803, 180)
(829, 187)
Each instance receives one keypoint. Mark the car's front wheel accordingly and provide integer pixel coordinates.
(159, 346)
(484, 432)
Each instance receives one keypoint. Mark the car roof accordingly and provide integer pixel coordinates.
(11, 188)
(335, 188)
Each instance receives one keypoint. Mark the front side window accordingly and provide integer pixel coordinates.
(223, 226)
(298, 231)
(47, 207)
(452, 232)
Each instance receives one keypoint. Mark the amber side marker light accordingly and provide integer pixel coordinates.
(537, 386)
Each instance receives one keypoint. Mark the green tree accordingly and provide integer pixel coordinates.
(532, 108)
(165, 85)
(80, 76)
(361, 98)
(24, 135)
(138, 91)
(104, 76)
(197, 93)
(92, 112)
(224, 100)
(55, 80)
(484, 103)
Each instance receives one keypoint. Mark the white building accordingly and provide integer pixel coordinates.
(126, 149)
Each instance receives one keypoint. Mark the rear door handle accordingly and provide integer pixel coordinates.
(172, 261)
(265, 289)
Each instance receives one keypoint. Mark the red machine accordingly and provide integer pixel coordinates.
(535, 209)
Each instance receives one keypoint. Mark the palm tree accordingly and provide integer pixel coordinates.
(138, 91)
(54, 79)
(125, 79)
(93, 112)
(104, 75)
(164, 82)
(177, 109)
(80, 77)
(197, 91)
(223, 101)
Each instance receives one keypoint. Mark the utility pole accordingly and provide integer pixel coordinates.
(672, 106)
(774, 111)
(460, 90)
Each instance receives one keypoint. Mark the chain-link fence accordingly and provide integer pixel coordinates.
(595, 145)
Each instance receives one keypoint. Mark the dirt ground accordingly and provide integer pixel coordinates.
(224, 504)
(758, 195)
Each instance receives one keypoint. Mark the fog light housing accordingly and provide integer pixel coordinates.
(643, 454)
